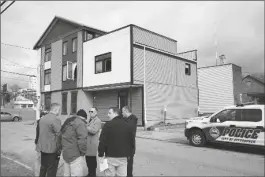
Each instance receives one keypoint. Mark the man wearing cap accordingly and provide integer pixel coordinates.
(74, 141)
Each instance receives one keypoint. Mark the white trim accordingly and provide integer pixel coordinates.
(47, 88)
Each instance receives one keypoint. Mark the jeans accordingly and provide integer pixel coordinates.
(116, 166)
(91, 162)
(74, 168)
(130, 166)
(49, 164)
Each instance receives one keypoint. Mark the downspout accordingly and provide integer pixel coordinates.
(145, 121)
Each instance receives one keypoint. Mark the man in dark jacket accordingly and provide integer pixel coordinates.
(74, 144)
(132, 121)
(49, 141)
(116, 142)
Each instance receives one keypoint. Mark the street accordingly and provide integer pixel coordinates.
(157, 158)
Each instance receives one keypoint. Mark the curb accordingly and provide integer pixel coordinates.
(155, 139)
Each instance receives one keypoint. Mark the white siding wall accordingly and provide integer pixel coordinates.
(84, 100)
(118, 43)
(215, 88)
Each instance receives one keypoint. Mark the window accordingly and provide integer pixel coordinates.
(74, 44)
(228, 115)
(73, 102)
(65, 48)
(88, 36)
(64, 103)
(249, 83)
(103, 63)
(69, 70)
(47, 77)
(187, 69)
(64, 72)
(48, 55)
(251, 115)
(47, 101)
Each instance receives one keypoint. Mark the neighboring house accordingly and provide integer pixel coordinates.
(254, 88)
(219, 86)
(85, 67)
(22, 102)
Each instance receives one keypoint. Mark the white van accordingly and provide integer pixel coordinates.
(241, 124)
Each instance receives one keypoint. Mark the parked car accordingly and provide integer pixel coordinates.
(238, 124)
(5, 116)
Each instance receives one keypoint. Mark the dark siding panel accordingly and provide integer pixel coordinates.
(103, 101)
(137, 104)
(59, 29)
(69, 84)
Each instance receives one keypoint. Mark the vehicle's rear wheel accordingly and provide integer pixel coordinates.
(15, 119)
(197, 138)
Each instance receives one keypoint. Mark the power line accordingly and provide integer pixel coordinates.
(16, 46)
(17, 63)
(19, 73)
(2, 3)
(8, 7)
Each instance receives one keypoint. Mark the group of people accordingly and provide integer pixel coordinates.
(81, 138)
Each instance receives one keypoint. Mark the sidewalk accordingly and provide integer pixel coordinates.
(175, 135)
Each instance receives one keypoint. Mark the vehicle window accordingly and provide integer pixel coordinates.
(228, 115)
(251, 115)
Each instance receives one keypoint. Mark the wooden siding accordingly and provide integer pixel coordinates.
(180, 102)
(182, 78)
(56, 65)
(103, 101)
(137, 104)
(42, 69)
(166, 85)
(79, 59)
(147, 38)
(215, 88)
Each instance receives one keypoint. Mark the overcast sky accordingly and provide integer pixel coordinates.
(239, 28)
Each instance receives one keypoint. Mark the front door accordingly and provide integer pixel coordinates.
(122, 99)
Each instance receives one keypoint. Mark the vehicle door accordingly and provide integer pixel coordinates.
(218, 124)
(250, 128)
(4, 116)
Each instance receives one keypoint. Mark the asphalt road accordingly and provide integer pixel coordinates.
(10, 168)
(156, 158)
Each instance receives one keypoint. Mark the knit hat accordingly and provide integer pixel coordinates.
(82, 113)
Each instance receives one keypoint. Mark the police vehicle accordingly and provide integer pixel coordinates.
(240, 124)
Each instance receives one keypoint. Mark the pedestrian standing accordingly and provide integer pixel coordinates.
(93, 128)
(49, 141)
(132, 121)
(74, 141)
(116, 143)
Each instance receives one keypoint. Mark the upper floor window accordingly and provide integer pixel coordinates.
(187, 69)
(48, 55)
(47, 77)
(103, 63)
(74, 45)
(88, 36)
(64, 72)
(70, 71)
(65, 48)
